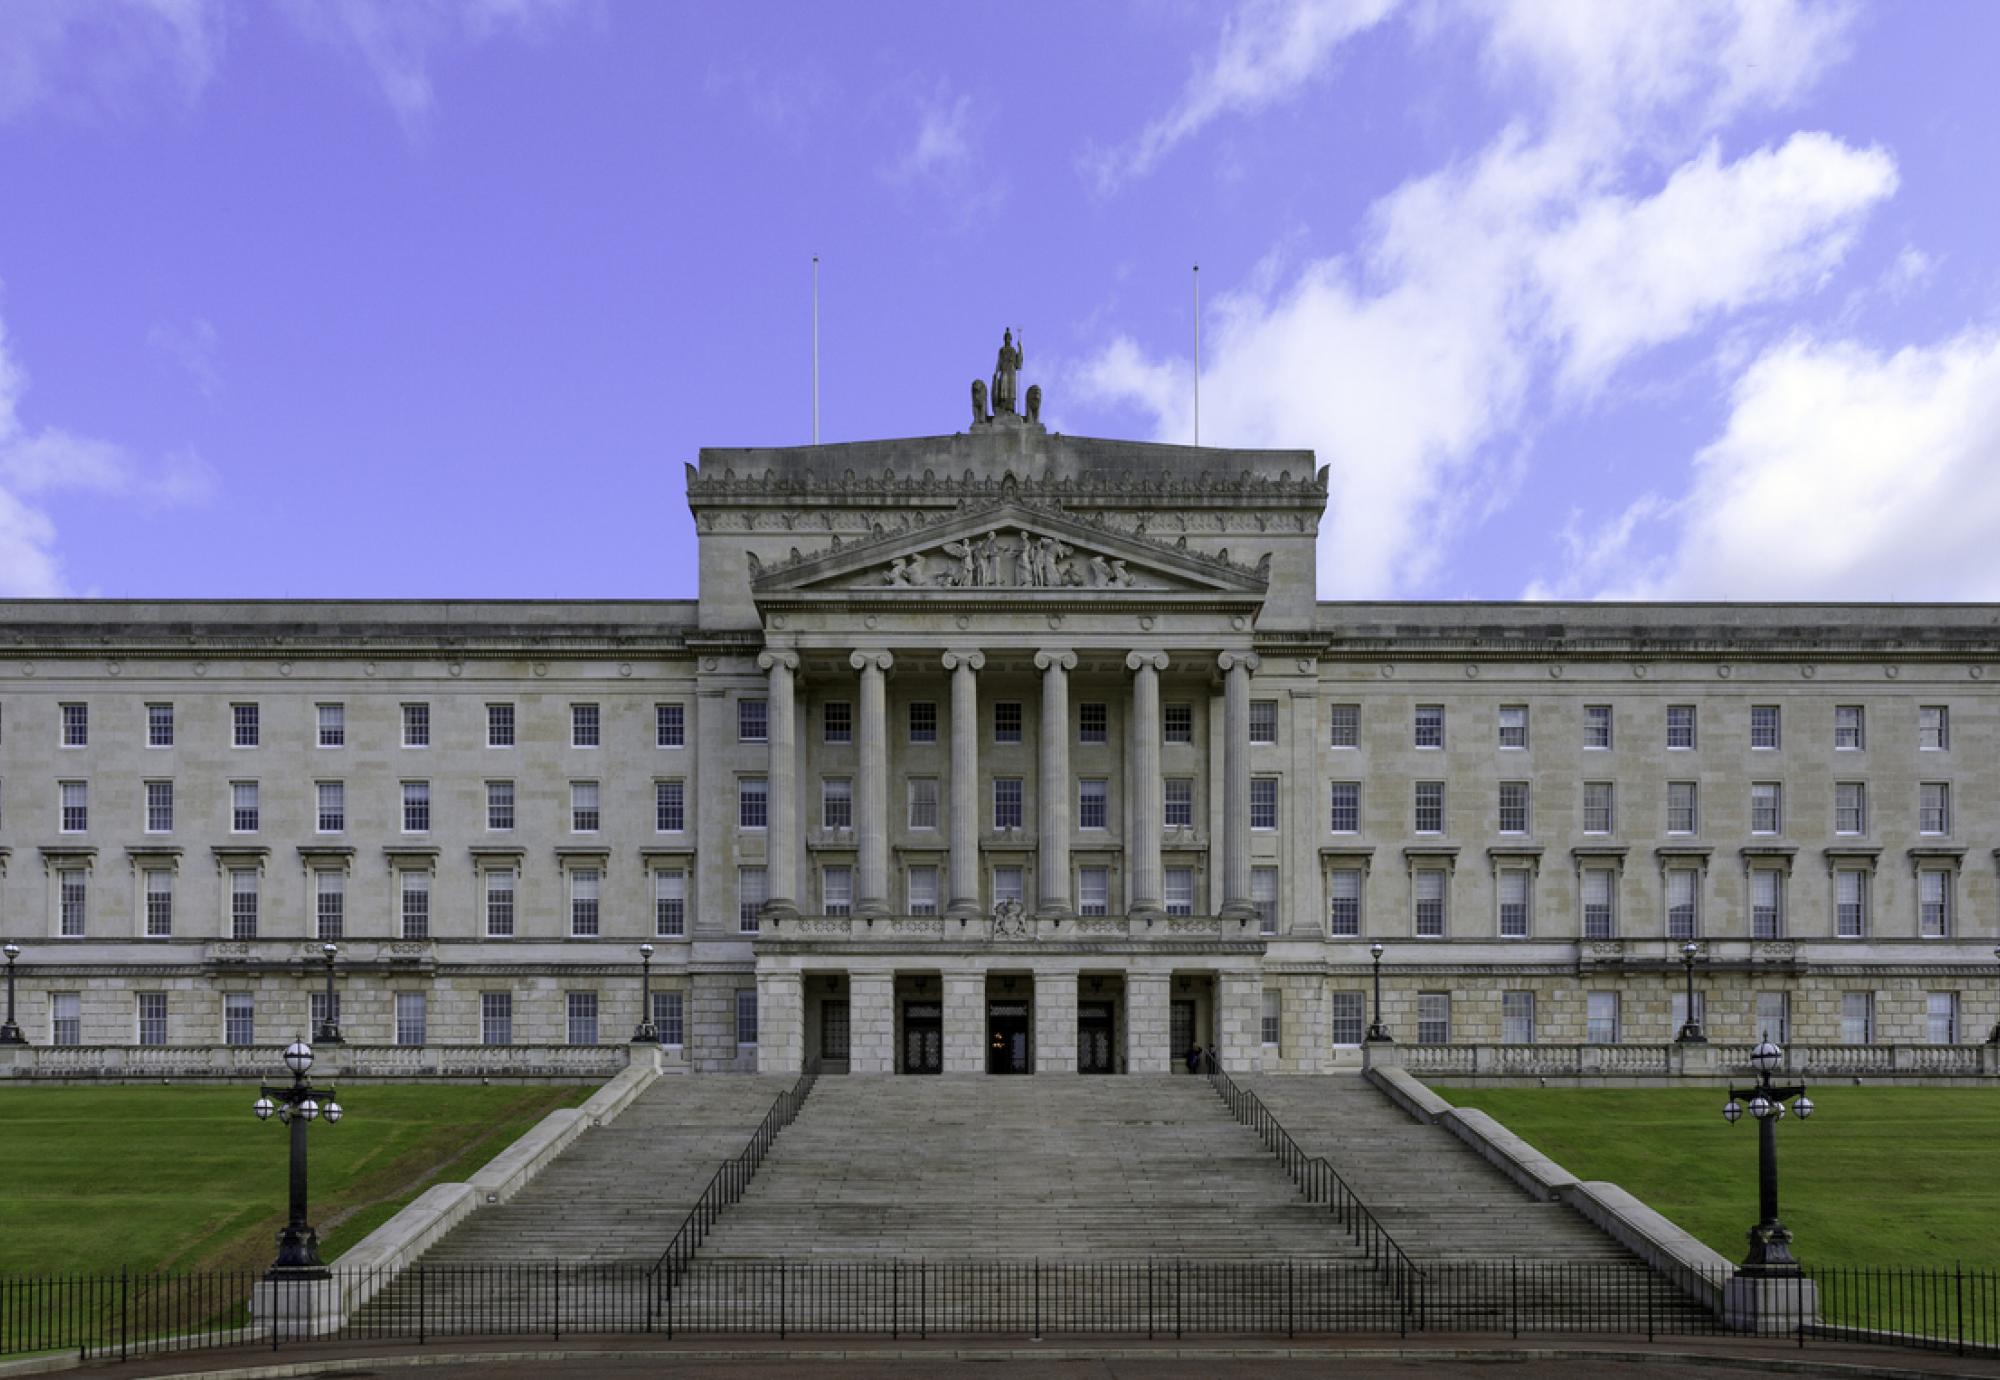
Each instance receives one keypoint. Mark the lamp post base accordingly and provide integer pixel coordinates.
(328, 1034)
(10, 1034)
(646, 1034)
(298, 1255)
(1770, 1251)
(1378, 1035)
(1770, 1304)
(1691, 1034)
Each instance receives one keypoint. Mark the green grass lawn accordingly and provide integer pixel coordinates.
(184, 1178)
(1878, 1176)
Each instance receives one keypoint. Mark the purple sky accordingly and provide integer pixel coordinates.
(414, 298)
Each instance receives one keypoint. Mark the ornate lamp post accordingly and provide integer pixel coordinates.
(1770, 1241)
(298, 1105)
(1691, 1033)
(10, 1033)
(1378, 1034)
(647, 1033)
(329, 1029)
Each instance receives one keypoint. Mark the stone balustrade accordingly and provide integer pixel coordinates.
(1637, 1061)
(1025, 932)
(228, 1063)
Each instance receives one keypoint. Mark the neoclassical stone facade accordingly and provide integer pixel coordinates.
(1003, 751)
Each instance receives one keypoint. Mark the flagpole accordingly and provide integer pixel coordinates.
(815, 349)
(1197, 354)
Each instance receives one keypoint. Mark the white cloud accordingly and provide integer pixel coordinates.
(81, 56)
(193, 348)
(1267, 50)
(941, 149)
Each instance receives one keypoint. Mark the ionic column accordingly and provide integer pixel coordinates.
(871, 793)
(1143, 848)
(1052, 793)
(781, 845)
(1236, 669)
(964, 881)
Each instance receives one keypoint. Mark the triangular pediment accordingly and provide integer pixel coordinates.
(1008, 548)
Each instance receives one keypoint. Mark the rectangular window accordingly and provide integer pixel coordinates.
(1092, 802)
(1346, 722)
(1767, 814)
(923, 802)
(1850, 903)
(1600, 913)
(669, 1018)
(1849, 728)
(836, 802)
(1517, 1018)
(1343, 903)
(496, 1018)
(746, 1015)
(330, 799)
(583, 913)
(1941, 1011)
(1092, 723)
(76, 725)
(416, 729)
(159, 725)
(1429, 807)
(670, 725)
(1774, 1017)
(412, 1018)
(243, 724)
(500, 903)
(1433, 1018)
(1264, 896)
(836, 886)
(1513, 807)
(159, 903)
(923, 721)
(1683, 807)
(1933, 903)
(1177, 723)
(1767, 903)
(1763, 726)
(152, 1014)
(1597, 726)
(243, 903)
(1349, 1016)
(1683, 903)
(1850, 807)
(499, 725)
(159, 807)
(1093, 891)
(332, 725)
(1513, 726)
(1264, 721)
(329, 903)
(239, 1018)
(1006, 802)
(1428, 883)
(1008, 885)
(670, 806)
(1430, 726)
(244, 814)
(75, 807)
(1680, 727)
(1180, 890)
(1933, 728)
(753, 803)
(1857, 1018)
(836, 721)
(921, 883)
(416, 807)
(1512, 885)
(752, 890)
(670, 903)
(500, 806)
(416, 905)
(1263, 802)
(582, 1010)
(1601, 1018)
(1271, 1027)
(753, 720)
(65, 1018)
(1179, 806)
(586, 726)
(1934, 808)
(1007, 721)
(1345, 814)
(1597, 818)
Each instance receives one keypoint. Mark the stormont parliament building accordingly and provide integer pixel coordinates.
(999, 751)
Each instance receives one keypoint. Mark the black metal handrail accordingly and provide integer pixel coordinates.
(1316, 1178)
(733, 1177)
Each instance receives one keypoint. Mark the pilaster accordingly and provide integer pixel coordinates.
(1239, 1007)
(965, 1022)
(1055, 1022)
(871, 1014)
(781, 1022)
(1146, 1021)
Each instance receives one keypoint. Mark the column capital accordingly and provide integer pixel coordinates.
(973, 660)
(1054, 658)
(1137, 660)
(1229, 661)
(880, 660)
(769, 660)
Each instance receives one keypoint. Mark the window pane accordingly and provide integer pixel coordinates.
(670, 806)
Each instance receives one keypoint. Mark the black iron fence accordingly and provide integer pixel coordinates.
(128, 1315)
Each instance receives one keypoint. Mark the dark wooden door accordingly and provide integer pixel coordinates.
(1008, 1045)
(923, 1037)
(1096, 1038)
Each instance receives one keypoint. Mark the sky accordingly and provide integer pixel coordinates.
(435, 298)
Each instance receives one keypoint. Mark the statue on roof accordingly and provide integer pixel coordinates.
(1005, 370)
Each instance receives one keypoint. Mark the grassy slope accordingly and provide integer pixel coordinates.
(184, 1178)
(1878, 1176)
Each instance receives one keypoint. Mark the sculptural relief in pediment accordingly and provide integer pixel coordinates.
(1010, 558)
